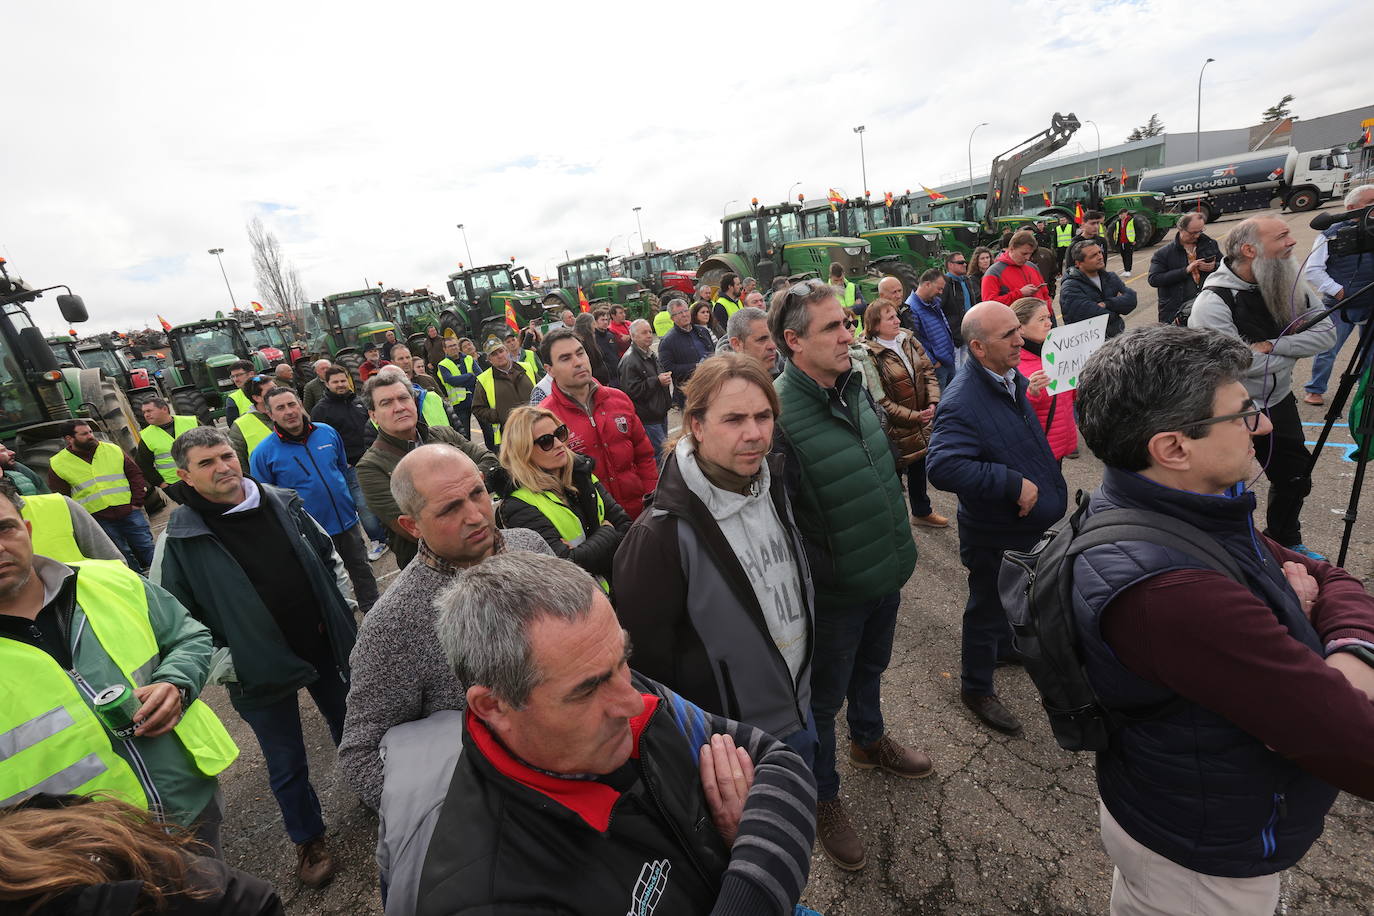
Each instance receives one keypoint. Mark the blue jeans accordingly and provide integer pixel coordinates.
(805, 741)
(376, 531)
(657, 432)
(278, 730)
(853, 647)
(133, 537)
(944, 374)
(986, 632)
(1323, 363)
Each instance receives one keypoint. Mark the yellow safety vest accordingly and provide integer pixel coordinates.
(1063, 235)
(488, 384)
(255, 430)
(99, 484)
(431, 408)
(530, 360)
(456, 395)
(731, 306)
(849, 289)
(53, 535)
(241, 399)
(1130, 231)
(663, 323)
(50, 738)
(160, 444)
(564, 518)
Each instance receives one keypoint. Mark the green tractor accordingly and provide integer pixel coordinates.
(770, 241)
(342, 324)
(1096, 192)
(275, 338)
(592, 275)
(903, 251)
(202, 352)
(118, 363)
(481, 296)
(38, 393)
(414, 315)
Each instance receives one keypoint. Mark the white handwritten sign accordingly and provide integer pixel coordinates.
(1068, 347)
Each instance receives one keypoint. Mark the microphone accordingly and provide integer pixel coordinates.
(1324, 221)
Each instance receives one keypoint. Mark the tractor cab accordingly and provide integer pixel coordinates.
(592, 276)
(483, 297)
(955, 235)
(972, 208)
(202, 352)
(355, 319)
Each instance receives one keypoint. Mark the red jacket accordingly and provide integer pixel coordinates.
(1003, 281)
(614, 436)
(1062, 431)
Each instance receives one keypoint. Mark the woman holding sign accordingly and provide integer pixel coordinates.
(1054, 410)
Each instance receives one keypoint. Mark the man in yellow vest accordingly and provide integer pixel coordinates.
(106, 483)
(528, 358)
(1063, 238)
(237, 403)
(154, 452)
(1125, 239)
(457, 373)
(248, 431)
(728, 299)
(70, 634)
(503, 386)
(427, 393)
(62, 530)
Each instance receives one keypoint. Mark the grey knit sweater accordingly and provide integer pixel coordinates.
(399, 672)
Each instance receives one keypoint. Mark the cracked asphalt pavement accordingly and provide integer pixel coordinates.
(1005, 825)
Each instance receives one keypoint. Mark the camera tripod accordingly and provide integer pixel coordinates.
(1362, 426)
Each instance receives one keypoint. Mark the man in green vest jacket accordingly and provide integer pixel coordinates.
(69, 632)
(24, 478)
(842, 482)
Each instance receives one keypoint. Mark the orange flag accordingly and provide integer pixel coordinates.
(582, 302)
(257, 306)
(166, 326)
(933, 195)
(1046, 196)
(1078, 213)
(1022, 189)
(511, 319)
(1124, 176)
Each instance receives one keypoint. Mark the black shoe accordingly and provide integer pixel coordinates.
(1012, 658)
(991, 712)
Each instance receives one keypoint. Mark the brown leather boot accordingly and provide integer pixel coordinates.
(314, 865)
(839, 840)
(887, 754)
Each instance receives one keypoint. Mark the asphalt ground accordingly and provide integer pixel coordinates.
(1005, 825)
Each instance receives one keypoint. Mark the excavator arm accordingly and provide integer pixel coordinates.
(1007, 168)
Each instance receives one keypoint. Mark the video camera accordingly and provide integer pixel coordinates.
(1357, 238)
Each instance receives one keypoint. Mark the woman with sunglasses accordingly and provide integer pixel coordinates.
(551, 490)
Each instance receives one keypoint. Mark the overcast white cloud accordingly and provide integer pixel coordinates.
(139, 135)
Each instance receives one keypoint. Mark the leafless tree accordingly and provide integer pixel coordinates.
(277, 280)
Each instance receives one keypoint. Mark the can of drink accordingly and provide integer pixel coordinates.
(116, 707)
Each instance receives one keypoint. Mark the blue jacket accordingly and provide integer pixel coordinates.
(1078, 298)
(981, 447)
(1186, 782)
(932, 329)
(317, 469)
(679, 352)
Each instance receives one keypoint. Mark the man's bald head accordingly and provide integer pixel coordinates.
(976, 319)
(420, 472)
(890, 288)
(993, 334)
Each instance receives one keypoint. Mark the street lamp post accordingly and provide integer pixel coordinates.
(788, 196)
(863, 164)
(970, 157)
(640, 227)
(217, 252)
(1099, 145)
(726, 209)
(471, 263)
(1199, 104)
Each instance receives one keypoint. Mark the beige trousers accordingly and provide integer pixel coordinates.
(1144, 883)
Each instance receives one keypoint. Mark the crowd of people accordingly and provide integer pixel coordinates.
(632, 603)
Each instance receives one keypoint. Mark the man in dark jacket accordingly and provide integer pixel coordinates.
(582, 782)
(341, 409)
(842, 482)
(1090, 290)
(1259, 685)
(647, 383)
(685, 345)
(1179, 269)
(959, 296)
(605, 342)
(24, 478)
(250, 563)
(711, 583)
(988, 447)
(1090, 231)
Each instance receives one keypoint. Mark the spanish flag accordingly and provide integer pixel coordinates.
(1124, 176)
(1046, 196)
(1078, 213)
(1022, 190)
(257, 306)
(582, 302)
(511, 320)
(887, 199)
(933, 195)
(166, 326)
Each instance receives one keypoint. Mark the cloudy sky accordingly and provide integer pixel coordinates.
(139, 135)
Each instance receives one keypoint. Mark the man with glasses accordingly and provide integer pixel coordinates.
(841, 480)
(988, 446)
(958, 298)
(1179, 268)
(1246, 699)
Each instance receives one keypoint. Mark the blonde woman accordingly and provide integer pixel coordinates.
(552, 490)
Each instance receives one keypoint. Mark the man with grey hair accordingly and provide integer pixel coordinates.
(988, 446)
(445, 505)
(317, 386)
(248, 561)
(582, 782)
(1335, 277)
(647, 383)
(1258, 296)
(1179, 268)
(747, 332)
(1260, 678)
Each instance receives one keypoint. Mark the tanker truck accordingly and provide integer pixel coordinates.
(1250, 181)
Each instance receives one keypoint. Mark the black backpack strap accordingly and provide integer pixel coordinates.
(1113, 525)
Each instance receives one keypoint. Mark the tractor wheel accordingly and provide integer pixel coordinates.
(138, 395)
(37, 452)
(1156, 235)
(110, 408)
(1209, 213)
(907, 274)
(449, 321)
(351, 360)
(304, 367)
(1302, 200)
(190, 402)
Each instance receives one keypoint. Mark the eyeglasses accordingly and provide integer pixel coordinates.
(958, 263)
(1251, 418)
(545, 442)
(850, 324)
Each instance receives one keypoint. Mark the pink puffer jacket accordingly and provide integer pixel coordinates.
(1062, 428)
